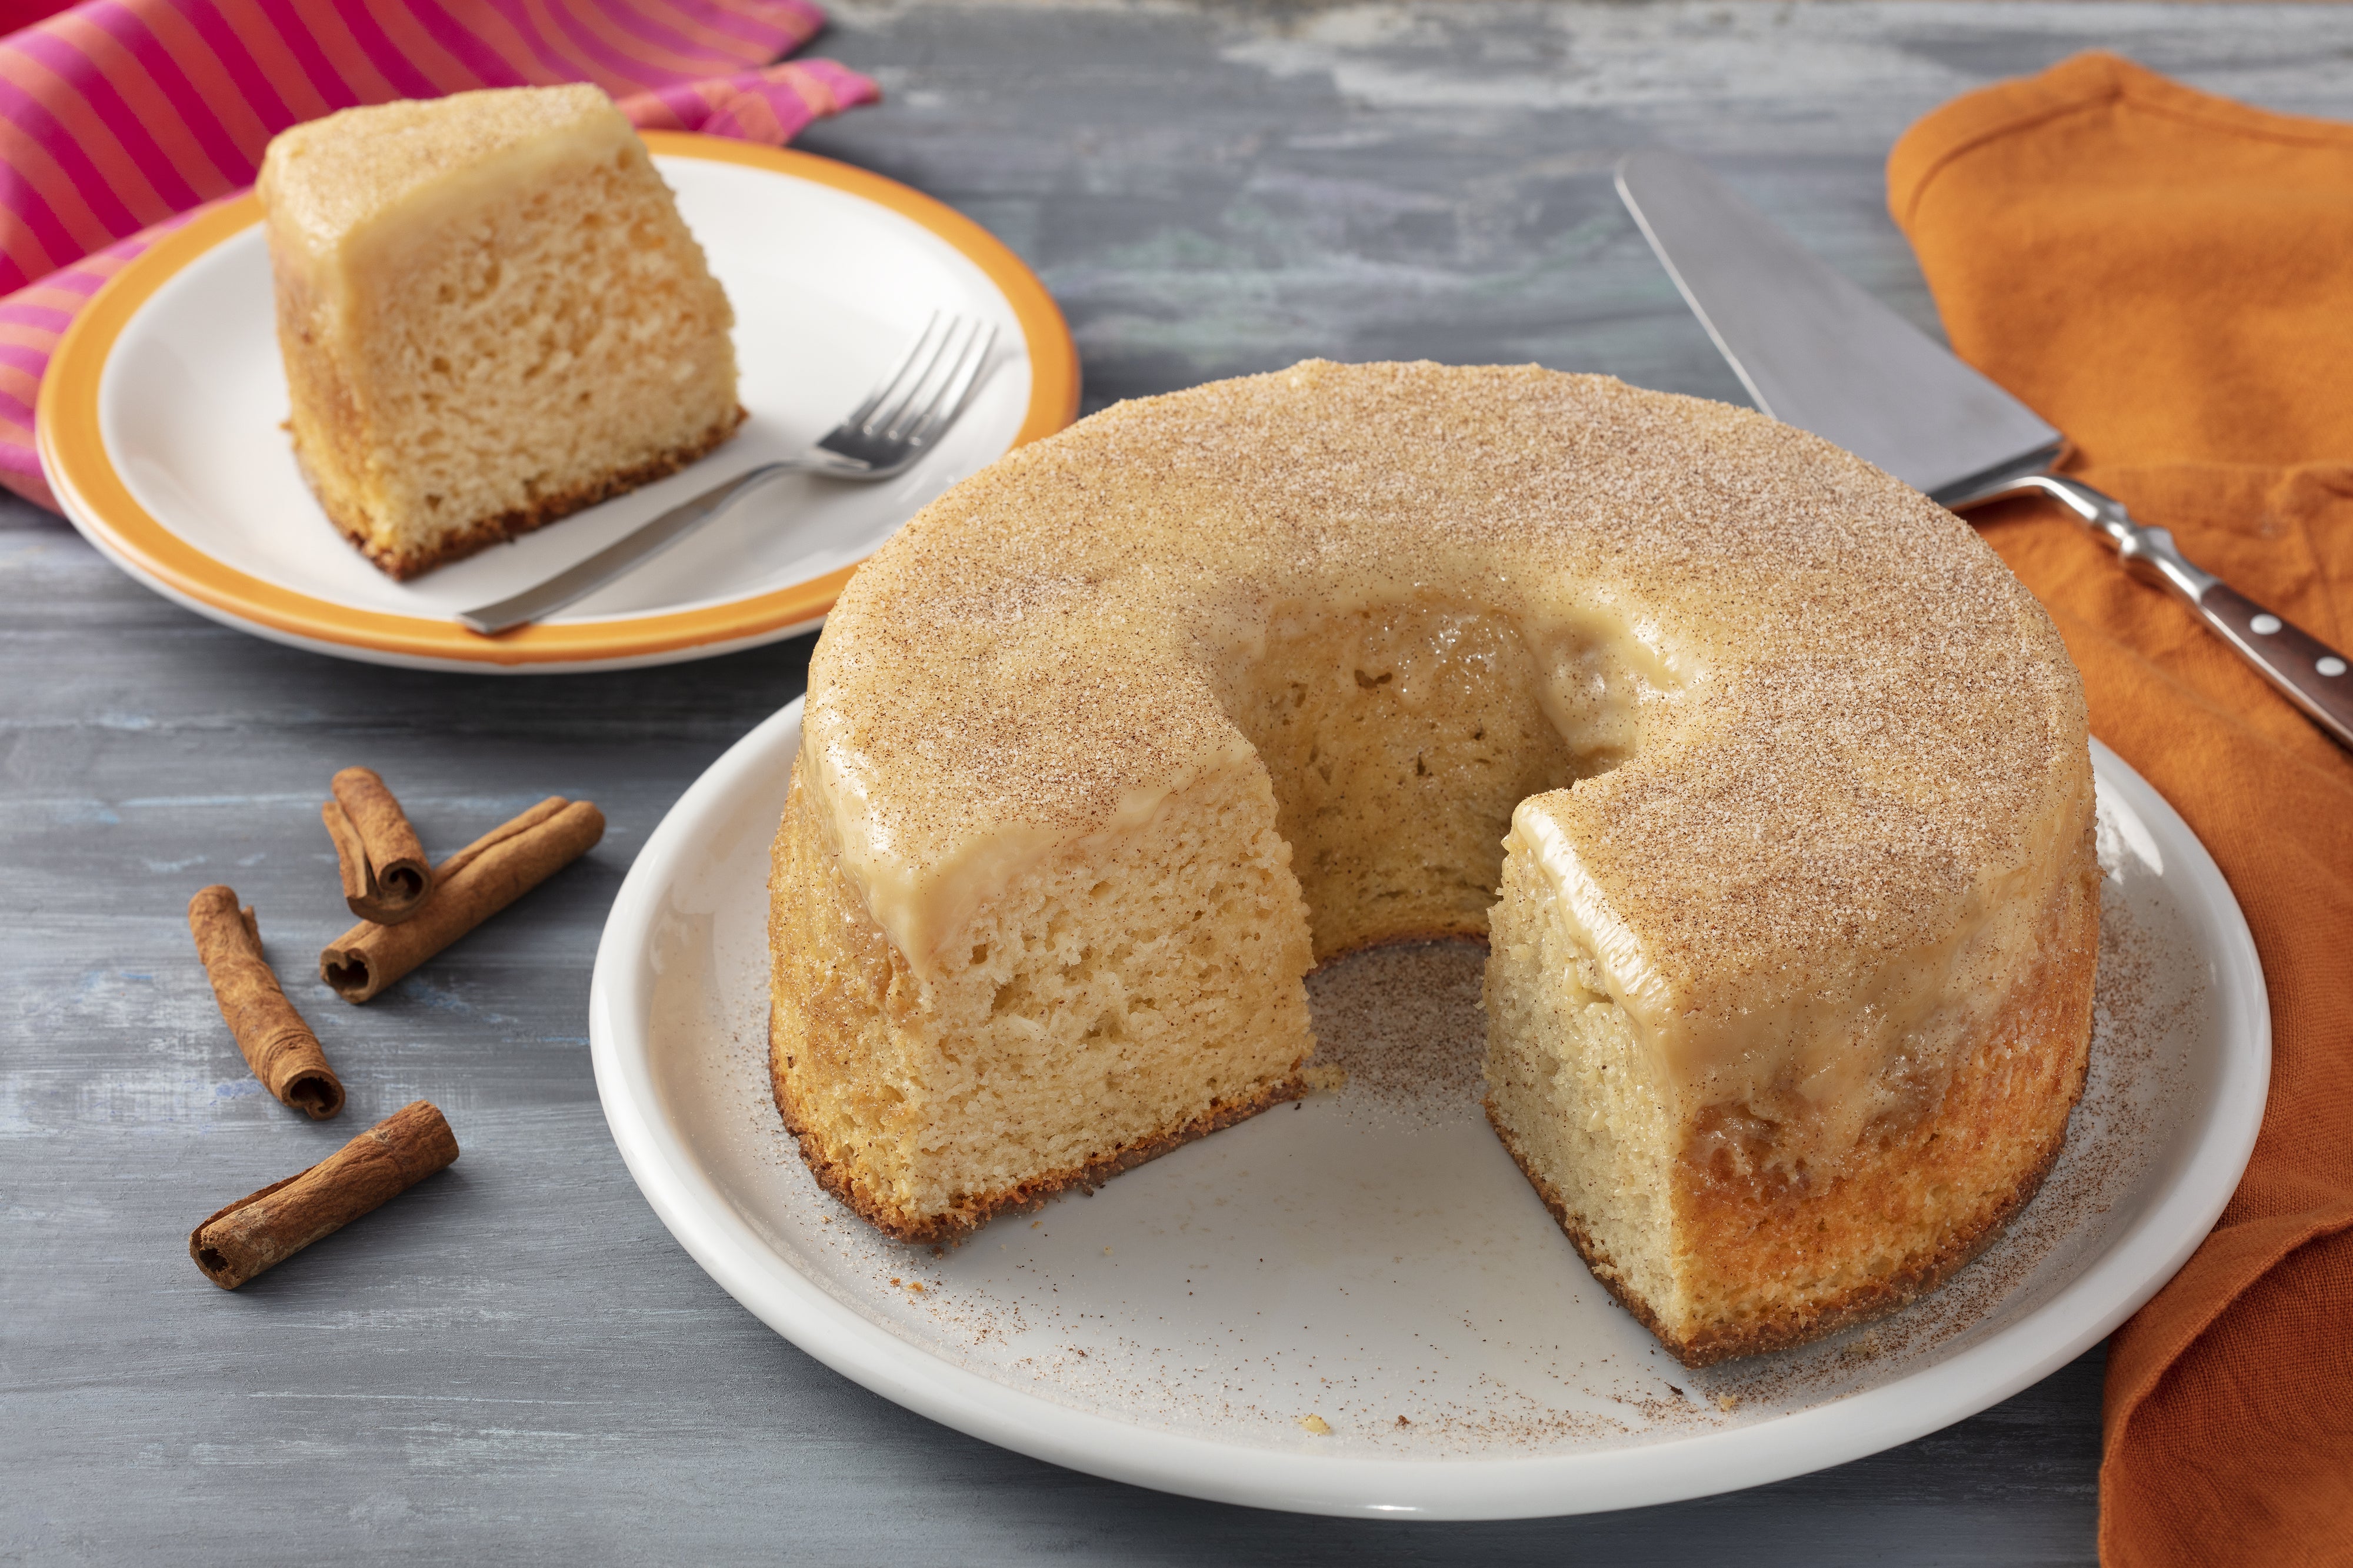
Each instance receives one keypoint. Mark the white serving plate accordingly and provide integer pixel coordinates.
(1373, 1254)
(162, 413)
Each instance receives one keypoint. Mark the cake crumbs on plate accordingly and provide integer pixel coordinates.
(1326, 1078)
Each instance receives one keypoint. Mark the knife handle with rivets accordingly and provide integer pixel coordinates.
(2307, 672)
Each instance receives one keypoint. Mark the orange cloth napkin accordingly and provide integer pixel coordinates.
(2169, 278)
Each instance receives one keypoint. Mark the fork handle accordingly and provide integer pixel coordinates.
(2307, 672)
(647, 540)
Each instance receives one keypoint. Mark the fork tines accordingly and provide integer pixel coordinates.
(923, 393)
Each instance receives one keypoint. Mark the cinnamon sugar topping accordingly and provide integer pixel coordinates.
(1853, 731)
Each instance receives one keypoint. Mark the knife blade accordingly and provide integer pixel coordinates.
(1816, 351)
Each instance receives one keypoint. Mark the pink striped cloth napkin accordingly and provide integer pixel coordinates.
(121, 119)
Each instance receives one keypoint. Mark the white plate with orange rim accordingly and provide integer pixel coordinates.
(160, 429)
(1357, 1306)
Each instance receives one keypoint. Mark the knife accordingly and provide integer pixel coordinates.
(1816, 351)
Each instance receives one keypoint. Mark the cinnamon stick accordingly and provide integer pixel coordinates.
(469, 887)
(385, 874)
(263, 1229)
(277, 1044)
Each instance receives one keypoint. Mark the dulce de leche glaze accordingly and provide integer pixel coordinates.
(1854, 771)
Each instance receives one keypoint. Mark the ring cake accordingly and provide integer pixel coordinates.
(1766, 783)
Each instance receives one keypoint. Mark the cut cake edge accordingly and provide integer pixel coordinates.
(503, 527)
(956, 1224)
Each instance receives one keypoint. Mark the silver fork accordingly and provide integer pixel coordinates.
(907, 411)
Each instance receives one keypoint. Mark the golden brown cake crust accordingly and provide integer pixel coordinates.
(490, 530)
(952, 1226)
(1987, 1104)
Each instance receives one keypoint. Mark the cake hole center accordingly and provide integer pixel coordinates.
(1399, 738)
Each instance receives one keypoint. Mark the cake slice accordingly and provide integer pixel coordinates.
(492, 317)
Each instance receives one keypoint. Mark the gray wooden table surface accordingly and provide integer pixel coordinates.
(515, 1361)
